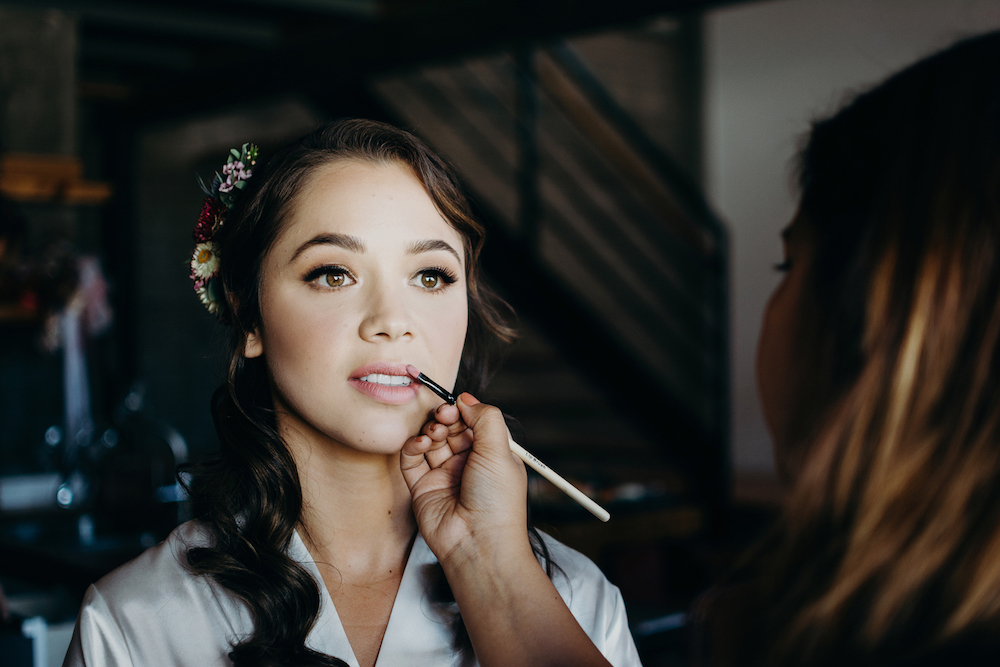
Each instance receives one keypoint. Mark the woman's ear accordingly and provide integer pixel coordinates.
(253, 347)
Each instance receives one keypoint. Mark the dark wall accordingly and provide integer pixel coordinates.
(179, 342)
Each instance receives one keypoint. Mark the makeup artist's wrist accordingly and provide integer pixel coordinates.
(488, 550)
(513, 612)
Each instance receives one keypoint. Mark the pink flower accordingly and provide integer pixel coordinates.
(236, 171)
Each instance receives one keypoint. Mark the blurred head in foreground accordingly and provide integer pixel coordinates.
(879, 370)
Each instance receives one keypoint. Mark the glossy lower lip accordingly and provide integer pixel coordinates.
(386, 394)
(380, 392)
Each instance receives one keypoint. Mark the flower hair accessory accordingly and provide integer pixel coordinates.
(221, 198)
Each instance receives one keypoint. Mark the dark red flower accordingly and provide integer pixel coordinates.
(213, 212)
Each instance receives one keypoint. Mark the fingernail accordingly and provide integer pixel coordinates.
(468, 399)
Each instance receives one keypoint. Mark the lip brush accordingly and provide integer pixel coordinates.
(526, 456)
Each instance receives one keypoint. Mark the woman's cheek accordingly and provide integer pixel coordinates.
(457, 334)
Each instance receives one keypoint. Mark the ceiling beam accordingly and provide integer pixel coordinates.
(313, 55)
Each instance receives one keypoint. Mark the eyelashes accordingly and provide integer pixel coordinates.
(433, 279)
(334, 276)
(330, 275)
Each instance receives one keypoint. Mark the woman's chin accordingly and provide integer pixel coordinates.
(383, 444)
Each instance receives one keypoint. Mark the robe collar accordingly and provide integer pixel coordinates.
(415, 628)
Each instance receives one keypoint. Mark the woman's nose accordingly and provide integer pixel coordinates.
(386, 315)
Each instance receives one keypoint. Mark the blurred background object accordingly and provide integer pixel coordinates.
(598, 141)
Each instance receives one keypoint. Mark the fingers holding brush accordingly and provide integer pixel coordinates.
(432, 461)
(448, 436)
(463, 479)
(448, 425)
(433, 474)
(470, 416)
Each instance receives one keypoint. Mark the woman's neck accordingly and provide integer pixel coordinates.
(355, 508)
(357, 524)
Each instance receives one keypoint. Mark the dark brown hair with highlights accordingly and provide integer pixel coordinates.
(889, 546)
(249, 497)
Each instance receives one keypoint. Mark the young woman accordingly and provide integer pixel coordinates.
(879, 372)
(316, 542)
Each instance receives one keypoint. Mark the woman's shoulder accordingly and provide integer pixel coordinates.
(155, 606)
(580, 582)
(157, 589)
(159, 574)
(596, 603)
(573, 566)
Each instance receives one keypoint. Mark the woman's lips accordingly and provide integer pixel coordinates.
(385, 382)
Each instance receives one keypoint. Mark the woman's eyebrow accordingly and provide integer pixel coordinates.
(352, 243)
(431, 245)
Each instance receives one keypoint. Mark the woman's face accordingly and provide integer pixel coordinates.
(365, 278)
(780, 373)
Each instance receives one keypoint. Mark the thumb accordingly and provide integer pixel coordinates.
(490, 434)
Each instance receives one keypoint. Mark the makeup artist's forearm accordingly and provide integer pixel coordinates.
(513, 612)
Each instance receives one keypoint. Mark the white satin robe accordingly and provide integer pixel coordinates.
(153, 611)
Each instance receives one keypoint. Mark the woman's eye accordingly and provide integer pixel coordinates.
(432, 279)
(333, 279)
(784, 267)
(327, 276)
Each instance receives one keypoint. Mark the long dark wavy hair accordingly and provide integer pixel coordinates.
(249, 497)
(888, 550)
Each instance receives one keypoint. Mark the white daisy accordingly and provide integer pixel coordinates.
(209, 296)
(205, 261)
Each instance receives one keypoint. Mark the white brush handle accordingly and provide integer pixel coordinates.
(556, 479)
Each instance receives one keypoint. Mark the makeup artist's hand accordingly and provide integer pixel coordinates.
(467, 486)
(470, 501)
